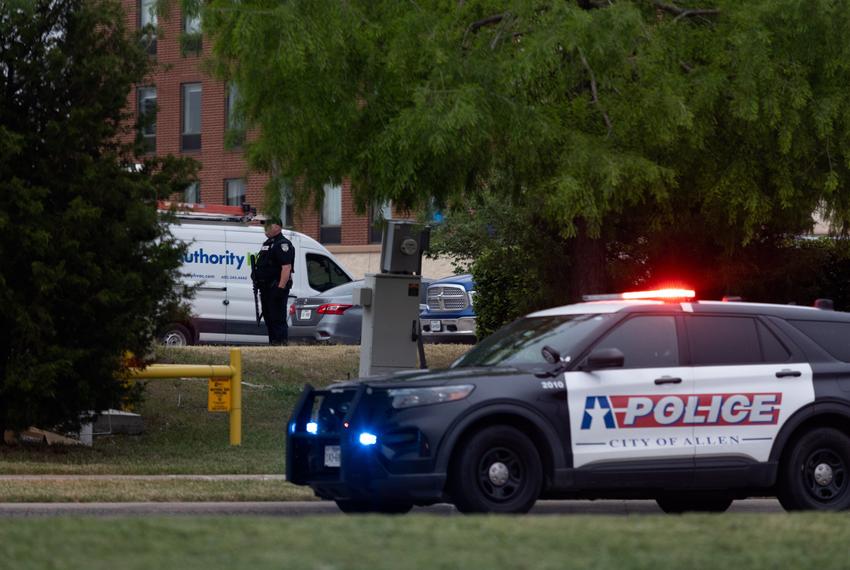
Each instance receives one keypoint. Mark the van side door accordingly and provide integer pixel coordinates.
(242, 325)
(202, 268)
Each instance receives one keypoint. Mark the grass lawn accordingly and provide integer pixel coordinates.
(182, 437)
(117, 491)
(622, 543)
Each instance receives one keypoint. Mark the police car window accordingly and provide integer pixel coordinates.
(646, 342)
(324, 274)
(772, 348)
(831, 336)
(520, 342)
(716, 341)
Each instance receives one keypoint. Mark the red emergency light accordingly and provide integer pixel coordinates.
(655, 295)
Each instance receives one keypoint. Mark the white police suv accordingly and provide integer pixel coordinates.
(637, 395)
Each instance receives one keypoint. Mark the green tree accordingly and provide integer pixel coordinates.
(668, 134)
(88, 269)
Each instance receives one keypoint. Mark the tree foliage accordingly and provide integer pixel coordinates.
(676, 132)
(87, 269)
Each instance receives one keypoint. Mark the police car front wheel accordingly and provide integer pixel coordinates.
(497, 470)
(815, 474)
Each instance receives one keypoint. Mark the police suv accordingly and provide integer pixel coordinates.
(693, 404)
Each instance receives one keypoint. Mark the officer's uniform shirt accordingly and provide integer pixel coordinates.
(275, 252)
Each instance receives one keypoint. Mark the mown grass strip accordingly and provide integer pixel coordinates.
(594, 542)
(107, 491)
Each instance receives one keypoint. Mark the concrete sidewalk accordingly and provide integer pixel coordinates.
(71, 477)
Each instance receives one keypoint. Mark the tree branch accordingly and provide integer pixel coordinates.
(680, 12)
(477, 25)
(594, 92)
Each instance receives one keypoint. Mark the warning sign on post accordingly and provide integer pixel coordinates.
(218, 397)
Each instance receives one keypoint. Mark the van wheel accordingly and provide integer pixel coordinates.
(349, 506)
(815, 473)
(176, 335)
(498, 470)
(693, 502)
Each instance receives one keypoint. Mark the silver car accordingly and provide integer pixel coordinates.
(331, 317)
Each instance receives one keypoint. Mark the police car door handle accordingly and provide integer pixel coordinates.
(668, 380)
(786, 373)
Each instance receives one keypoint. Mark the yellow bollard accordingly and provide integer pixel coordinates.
(236, 400)
(233, 372)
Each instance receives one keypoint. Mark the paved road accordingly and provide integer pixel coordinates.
(302, 508)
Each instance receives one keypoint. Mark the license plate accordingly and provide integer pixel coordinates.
(436, 326)
(332, 456)
(305, 314)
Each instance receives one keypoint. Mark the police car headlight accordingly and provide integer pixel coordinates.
(410, 397)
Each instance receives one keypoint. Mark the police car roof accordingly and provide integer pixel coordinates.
(739, 308)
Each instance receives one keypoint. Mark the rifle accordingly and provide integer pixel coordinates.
(252, 260)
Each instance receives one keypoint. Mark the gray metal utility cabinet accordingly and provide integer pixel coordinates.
(390, 300)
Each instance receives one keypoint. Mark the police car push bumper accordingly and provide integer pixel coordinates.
(346, 457)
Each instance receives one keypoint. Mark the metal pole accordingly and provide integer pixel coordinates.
(182, 371)
(236, 400)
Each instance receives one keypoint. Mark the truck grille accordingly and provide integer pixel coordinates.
(447, 298)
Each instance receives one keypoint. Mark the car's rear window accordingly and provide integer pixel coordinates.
(833, 337)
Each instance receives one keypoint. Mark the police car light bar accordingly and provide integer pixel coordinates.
(657, 295)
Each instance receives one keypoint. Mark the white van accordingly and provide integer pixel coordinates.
(217, 262)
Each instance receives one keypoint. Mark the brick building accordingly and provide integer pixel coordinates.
(193, 118)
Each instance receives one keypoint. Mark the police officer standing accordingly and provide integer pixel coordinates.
(273, 278)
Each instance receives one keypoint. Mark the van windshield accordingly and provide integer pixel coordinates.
(520, 342)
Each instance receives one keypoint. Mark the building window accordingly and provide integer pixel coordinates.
(234, 191)
(192, 23)
(147, 24)
(147, 117)
(235, 135)
(192, 194)
(330, 231)
(191, 40)
(191, 137)
(287, 203)
(377, 215)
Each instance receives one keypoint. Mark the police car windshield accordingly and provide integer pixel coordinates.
(520, 342)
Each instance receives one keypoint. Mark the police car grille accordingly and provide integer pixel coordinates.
(447, 298)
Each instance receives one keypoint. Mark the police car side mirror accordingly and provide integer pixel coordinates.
(604, 358)
(553, 357)
(550, 355)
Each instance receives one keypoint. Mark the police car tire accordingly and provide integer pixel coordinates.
(797, 489)
(349, 506)
(176, 331)
(694, 502)
(470, 483)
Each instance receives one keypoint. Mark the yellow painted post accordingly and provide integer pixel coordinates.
(236, 397)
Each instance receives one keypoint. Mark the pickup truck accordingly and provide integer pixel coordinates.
(448, 314)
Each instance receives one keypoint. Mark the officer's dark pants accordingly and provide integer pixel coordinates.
(274, 313)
